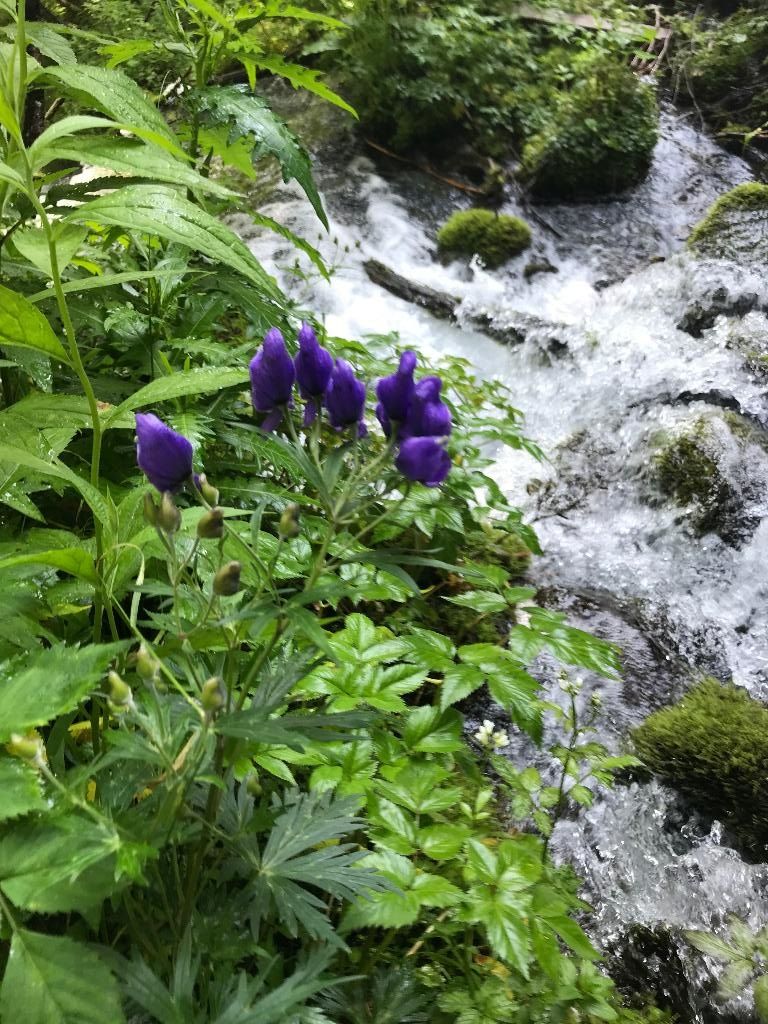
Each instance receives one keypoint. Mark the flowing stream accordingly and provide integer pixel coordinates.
(624, 561)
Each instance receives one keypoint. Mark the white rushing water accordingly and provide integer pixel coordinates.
(611, 542)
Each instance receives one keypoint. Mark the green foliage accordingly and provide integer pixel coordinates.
(744, 954)
(713, 747)
(495, 238)
(599, 137)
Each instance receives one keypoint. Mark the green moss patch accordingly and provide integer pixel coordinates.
(599, 138)
(495, 238)
(713, 747)
(736, 225)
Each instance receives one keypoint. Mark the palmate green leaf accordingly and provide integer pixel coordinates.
(54, 980)
(190, 382)
(24, 326)
(36, 688)
(250, 116)
(159, 210)
(127, 156)
(115, 94)
(20, 790)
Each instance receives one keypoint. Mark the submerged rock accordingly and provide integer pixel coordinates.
(701, 314)
(735, 226)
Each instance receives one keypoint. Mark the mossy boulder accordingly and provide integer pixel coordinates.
(736, 226)
(599, 139)
(495, 238)
(713, 747)
(706, 466)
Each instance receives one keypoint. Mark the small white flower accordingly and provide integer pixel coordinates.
(484, 735)
(500, 739)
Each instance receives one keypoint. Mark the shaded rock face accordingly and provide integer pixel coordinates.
(701, 314)
(715, 468)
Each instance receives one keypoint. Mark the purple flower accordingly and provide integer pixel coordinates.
(395, 393)
(314, 366)
(428, 416)
(345, 398)
(423, 460)
(272, 377)
(164, 456)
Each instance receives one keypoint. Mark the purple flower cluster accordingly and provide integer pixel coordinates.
(412, 413)
(321, 381)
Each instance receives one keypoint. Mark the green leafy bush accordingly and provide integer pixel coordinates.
(599, 136)
(495, 238)
(713, 746)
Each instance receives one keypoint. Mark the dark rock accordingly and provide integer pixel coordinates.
(534, 268)
(701, 315)
(440, 304)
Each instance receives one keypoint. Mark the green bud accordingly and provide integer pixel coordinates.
(211, 525)
(212, 696)
(289, 522)
(147, 665)
(168, 516)
(150, 509)
(208, 491)
(27, 748)
(120, 693)
(253, 784)
(226, 582)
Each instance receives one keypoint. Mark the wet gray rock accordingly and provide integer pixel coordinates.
(701, 314)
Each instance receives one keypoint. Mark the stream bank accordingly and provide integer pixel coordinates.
(651, 341)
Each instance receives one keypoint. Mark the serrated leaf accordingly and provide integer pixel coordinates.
(115, 94)
(158, 210)
(300, 77)
(20, 790)
(458, 682)
(75, 561)
(250, 116)
(127, 156)
(24, 326)
(54, 980)
(191, 382)
(712, 945)
(50, 43)
(35, 689)
(442, 842)
(482, 601)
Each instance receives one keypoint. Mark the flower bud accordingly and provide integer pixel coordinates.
(168, 516)
(212, 696)
(226, 582)
(150, 509)
(208, 491)
(119, 692)
(253, 784)
(27, 748)
(289, 522)
(211, 525)
(147, 665)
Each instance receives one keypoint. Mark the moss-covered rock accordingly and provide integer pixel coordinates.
(495, 238)
(713, 747)
(706, 467)
(736, 226)
(599, 139)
